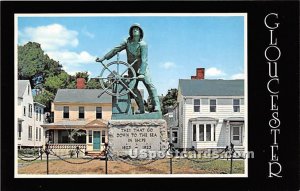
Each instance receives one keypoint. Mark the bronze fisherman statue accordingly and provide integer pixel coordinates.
(136, 49)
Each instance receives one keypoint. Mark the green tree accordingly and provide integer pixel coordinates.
(32, 60)
(169, 100)
(93, 84)
(53, 83)
(84, 75)
(34, 64)
(71, 85)
(60, 81)
(45, 98)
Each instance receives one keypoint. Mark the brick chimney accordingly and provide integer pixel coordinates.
(200, 73)
(80, 83)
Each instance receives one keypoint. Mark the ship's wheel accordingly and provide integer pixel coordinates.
(118, 78)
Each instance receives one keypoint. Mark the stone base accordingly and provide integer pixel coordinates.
(143, 116)
(142, 139)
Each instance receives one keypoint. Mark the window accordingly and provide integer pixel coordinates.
(28, 89)
(214, 133)
(236, 105)
(24, 111)
(213, 105)
(204, 132)
(29, 110)
(40, 114)
(19, 130)
(175, 137)
(50, 136)
(36, 113)
(63, 136)
(66, 112)
(90, 136)
(196, 105)
(175, 115)
(208, 132)
(40, 134)
(181, 109)
(81, 112)
(201, 132)
(29, 132)
(103, 137)
(194, 133)
(98, 112)
(36, 133)
(235, 133)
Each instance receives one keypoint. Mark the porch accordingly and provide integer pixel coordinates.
(68, 149)
(208, 133)
(66, 136)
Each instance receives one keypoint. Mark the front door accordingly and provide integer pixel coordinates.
(175, 138)
(236, 134)
(96, 140)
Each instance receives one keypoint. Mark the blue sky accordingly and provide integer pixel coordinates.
(177, 45)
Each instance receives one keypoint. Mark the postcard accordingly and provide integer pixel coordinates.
(199, 93)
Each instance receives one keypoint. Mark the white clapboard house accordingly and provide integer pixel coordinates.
(30, 117)
(209, 114)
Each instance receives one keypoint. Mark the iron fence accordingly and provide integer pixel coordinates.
(107, 156)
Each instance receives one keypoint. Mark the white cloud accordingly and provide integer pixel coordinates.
(51, 37)
(56, 40)
(69, 58)
(73, 72)
(87, 33)
(213, 72)
(168, 65)
(238, 76)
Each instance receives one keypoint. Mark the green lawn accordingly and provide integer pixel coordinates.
(162, 166)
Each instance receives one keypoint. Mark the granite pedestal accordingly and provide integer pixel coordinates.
(141, 139)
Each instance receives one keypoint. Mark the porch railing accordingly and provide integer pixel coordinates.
(66, 146)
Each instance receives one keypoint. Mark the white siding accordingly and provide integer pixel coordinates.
(28, 121)
(222, 131)
(38, 124)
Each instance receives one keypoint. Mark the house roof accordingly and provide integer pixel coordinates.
(68, 122)
(203, 119)
(82, 96)
(96, 123)
(22, 85)
(211, 87)
(39, 104)
(20, 119)
(234, 119)
(76, 124)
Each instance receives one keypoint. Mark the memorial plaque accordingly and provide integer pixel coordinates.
(141, 139)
